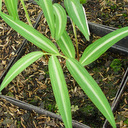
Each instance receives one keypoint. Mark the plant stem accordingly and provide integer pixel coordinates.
(46, 57)
(55, 55)
(75, 34)
(26, 13)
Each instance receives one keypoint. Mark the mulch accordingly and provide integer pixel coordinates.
(33, 84)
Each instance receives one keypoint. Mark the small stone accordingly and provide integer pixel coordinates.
(3, 62)
(41, 77)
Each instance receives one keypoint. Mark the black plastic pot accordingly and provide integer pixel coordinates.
(118, 96)
(100, 30)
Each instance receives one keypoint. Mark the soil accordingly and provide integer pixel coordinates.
(112, 13)
(33, 84)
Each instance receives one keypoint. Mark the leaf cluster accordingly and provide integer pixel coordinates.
(56, 18)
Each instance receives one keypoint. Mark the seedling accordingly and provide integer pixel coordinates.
(56, 18)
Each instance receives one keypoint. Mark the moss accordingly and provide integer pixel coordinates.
(126, 121)
(116, 65)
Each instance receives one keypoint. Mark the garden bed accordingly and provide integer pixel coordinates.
(33, 84)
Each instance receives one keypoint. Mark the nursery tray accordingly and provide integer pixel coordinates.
(39, 110)
(118, 96)
(102, 30)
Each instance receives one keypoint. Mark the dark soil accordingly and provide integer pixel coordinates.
(33, 84)
(108, 12)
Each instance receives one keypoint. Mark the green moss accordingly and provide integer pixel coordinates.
(83, 1)
(124, 14)
(116, 65)
(113, 7)
(18, 124)
(10, 94)
(88, 110)
(126, 121)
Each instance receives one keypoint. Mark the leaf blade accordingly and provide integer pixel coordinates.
(30, 34)
(47, 8)
(60, 20)
(91, 88)
(60, 90)
(19, 66)
(12, 8)
(95, 50)
(77, 14)
(66, 45)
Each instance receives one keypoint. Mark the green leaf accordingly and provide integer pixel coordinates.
(60, 90)
(12, 8)
(47, 8)
(83, 1)
(19, 66)
(26, 13)
(60, 20)
(30, 34)
(66, 45)
(77, 14)
(90, 87)
(96, 49)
